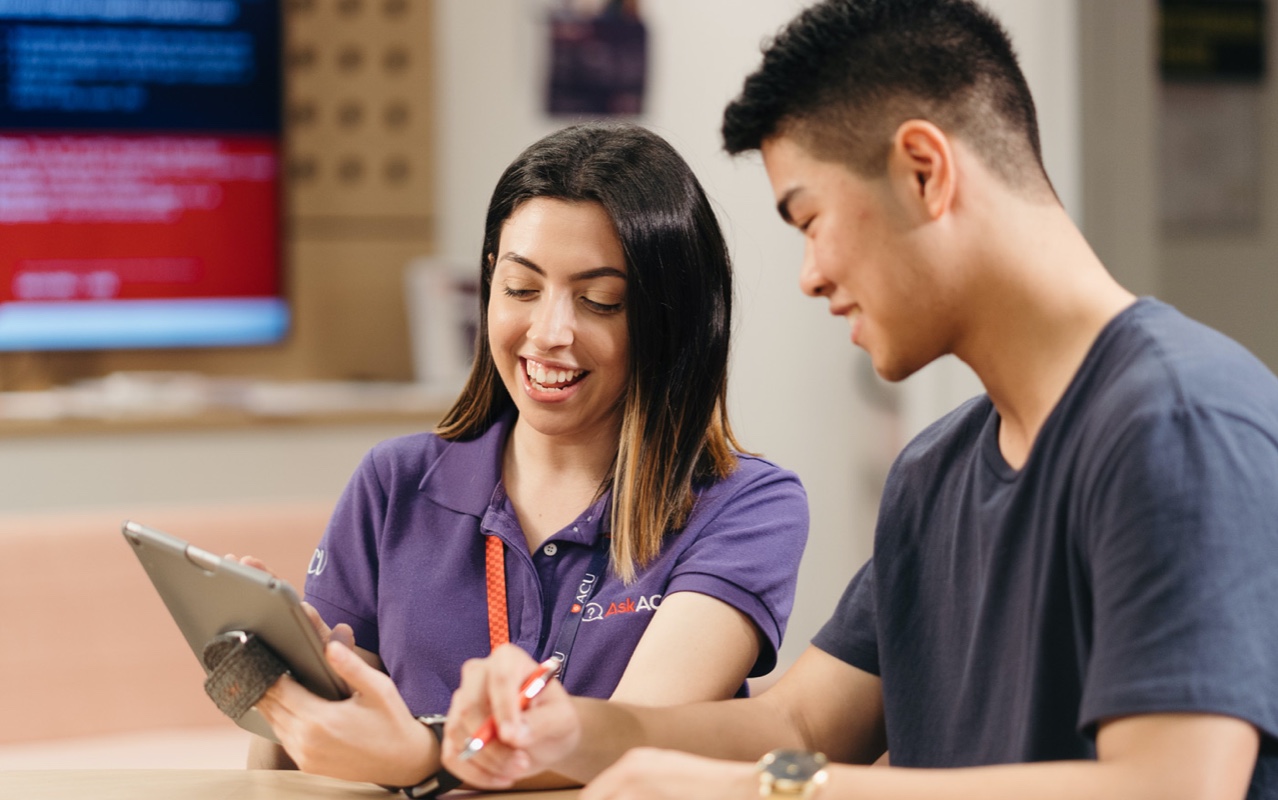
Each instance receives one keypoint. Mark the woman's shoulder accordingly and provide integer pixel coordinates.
(411, 447)
(753, 467)
(759, 502)
(755, 474)
(438, 465)
(401, 457)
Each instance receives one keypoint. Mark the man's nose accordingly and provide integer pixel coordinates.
(811, 281)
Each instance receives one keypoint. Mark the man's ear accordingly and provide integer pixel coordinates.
(921, 165)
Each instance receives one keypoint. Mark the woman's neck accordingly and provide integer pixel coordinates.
(551, 479)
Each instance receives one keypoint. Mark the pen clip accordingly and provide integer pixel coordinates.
(538, 680)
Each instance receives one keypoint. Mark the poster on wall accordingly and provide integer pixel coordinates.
(1211, 126)
(598, 58)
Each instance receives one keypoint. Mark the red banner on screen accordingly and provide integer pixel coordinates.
(138, 217)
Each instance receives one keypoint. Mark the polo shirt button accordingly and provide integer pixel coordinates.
(550, 549)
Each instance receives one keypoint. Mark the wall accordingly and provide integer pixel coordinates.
(1223, 278)
(1116, 48)
(210, 467)
(1227, 278)
(799, 392)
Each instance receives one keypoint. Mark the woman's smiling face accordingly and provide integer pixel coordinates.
(557, 317)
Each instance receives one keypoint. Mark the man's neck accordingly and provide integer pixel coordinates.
(1041, 301)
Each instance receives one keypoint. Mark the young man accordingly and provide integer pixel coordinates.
(1075, 576)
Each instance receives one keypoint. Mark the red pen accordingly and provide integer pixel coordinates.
(531, 687)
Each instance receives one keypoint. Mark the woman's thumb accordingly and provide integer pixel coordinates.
(359, 676)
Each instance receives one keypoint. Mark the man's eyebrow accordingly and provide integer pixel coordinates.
(783, 205)
(584, 275)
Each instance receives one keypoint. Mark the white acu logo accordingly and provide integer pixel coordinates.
(318, 562)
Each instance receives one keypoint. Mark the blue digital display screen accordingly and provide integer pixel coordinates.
(175, 65)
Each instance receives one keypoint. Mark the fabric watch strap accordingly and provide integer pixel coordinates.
(440, 782)
(241, 668)
(495, 568)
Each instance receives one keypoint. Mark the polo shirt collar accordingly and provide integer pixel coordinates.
(586, 529)
(463, 477)
(466, 476)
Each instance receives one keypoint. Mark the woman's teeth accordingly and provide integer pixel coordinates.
(551, 379)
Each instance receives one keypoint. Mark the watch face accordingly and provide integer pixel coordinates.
(792, 769)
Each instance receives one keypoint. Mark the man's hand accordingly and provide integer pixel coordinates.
(527, 742)
(645, 773)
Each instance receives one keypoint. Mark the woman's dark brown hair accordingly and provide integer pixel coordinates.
(674, 430)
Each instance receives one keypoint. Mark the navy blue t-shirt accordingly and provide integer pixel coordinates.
(1130, 566)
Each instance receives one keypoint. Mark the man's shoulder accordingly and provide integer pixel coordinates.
(954, 434)
(1157, 361)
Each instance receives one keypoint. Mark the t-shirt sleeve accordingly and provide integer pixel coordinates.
(342, 580)
(1184, 573)
(850, 635)
(747, 541)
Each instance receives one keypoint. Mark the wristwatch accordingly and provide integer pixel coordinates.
(440, 782)
(792, 773)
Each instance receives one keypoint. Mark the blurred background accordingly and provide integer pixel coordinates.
(363, 158)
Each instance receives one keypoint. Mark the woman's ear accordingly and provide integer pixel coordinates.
(921, 167)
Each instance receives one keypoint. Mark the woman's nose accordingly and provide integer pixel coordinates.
(552, 324)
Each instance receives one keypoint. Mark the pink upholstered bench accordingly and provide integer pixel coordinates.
(86, 645)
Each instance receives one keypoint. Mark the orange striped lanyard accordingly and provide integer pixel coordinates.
(498, 615)
(495, 568)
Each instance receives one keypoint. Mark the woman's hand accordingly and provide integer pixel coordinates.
(527, 741)
(341, 633)
(371, 736)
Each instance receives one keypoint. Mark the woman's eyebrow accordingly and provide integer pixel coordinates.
(584, 275)
(518, 259)
(597, 272)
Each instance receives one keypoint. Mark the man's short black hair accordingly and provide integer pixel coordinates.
(843, 75)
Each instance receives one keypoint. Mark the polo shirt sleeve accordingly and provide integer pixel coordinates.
(746, 536)
(1184, 528)
(342, 582)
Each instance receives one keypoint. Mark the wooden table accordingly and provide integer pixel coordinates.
(213, 784)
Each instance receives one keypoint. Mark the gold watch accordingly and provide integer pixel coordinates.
(792, 773)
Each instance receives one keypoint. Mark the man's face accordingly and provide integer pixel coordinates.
(859, 255)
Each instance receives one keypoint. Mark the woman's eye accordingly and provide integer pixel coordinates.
(602, 307)
(518, 294)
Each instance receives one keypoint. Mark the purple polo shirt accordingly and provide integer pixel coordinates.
(402, 562)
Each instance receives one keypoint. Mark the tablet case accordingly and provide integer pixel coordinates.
(209, 596)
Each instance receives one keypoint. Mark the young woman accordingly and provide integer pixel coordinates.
(584, 498)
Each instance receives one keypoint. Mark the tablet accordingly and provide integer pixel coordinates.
(208, 595)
